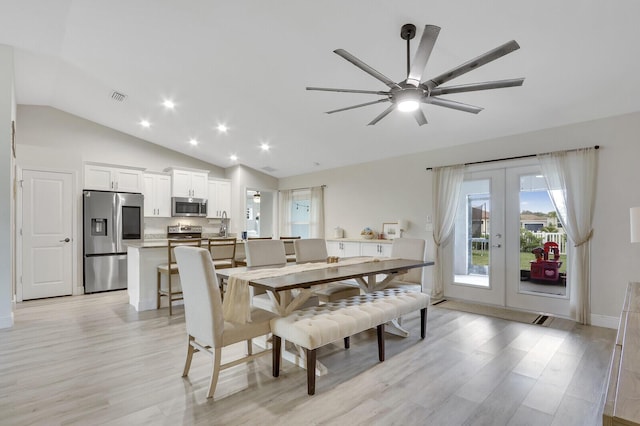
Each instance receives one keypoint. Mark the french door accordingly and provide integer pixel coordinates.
(479, 251)
(503, 216)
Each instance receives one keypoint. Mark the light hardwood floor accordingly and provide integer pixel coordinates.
(93, 360)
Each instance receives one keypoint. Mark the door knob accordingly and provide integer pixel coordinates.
(66, 240)
(497, 245)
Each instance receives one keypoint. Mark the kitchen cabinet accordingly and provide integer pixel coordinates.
(189, 183)
(106, 177)
(219, 198)
(343, 248)
(349, 248)
(375, 249)
(157, 195)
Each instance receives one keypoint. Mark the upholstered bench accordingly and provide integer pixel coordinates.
(317, 326)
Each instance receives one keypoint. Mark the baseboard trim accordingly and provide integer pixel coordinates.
(605, 321)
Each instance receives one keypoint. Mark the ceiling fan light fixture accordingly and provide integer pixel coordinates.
(408, 100)
(408, 105)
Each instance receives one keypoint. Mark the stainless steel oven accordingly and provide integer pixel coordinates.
(188, 207)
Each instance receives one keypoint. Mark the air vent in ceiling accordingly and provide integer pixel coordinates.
(117, 96)
(268, 169)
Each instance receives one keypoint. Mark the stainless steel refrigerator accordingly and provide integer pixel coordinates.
(110, 219)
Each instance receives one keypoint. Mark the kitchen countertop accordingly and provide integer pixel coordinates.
(361, 240)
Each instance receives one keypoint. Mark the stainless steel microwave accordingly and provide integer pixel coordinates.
(189, 207)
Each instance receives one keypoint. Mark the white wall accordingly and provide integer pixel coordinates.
(7, 115)
(400, 188)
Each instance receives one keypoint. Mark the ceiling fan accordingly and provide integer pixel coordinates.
(407, 95)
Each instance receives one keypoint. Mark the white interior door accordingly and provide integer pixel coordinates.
(47, 231)
(479, 249)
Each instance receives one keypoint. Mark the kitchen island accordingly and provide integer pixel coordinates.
(143, 258)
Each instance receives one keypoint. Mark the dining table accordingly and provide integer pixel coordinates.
(290, 285)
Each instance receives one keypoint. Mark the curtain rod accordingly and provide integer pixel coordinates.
(297, 189)
(515, 158)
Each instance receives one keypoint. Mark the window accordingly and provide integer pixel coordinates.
(300, 213)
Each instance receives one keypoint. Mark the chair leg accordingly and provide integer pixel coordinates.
(170, 296)
(158, 293)
(190, 352)
(249, 347)
(423, 322)
(215, 373)
(381, 342)
(347, 342)
(311, 371)
(275, 355)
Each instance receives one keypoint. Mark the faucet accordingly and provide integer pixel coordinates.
(224, 222)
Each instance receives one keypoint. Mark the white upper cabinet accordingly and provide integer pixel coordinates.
(112, 178)
(189, 183)
(219, 198)
(157, 195)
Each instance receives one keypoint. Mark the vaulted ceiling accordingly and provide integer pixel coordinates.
(246, 64)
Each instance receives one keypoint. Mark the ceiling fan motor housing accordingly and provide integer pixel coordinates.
(408, 31)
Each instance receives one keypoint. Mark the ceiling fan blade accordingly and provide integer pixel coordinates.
(419, 116)
(371, 92)
(498, 84)
(366, 68)
(358, 106)
(382, 115)
(428, 40)
(447, 103)
(483, 59)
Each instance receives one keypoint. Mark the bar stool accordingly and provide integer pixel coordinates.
(172, 292)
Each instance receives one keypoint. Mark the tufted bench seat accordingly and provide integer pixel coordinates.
(317, 326)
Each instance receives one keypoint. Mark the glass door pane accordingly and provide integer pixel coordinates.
(478, 260)
(536, 256)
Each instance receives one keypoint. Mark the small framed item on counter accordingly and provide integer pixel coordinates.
(391, 230)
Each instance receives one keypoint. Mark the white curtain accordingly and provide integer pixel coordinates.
(316, 213)
(285, 212)
(315, 196)
(571, 180)
(447, 183)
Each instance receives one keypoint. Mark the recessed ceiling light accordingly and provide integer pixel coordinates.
(168, 104)
(222, 128)
(233, 157)
(193, 142)
(264, 146)
(145, 124)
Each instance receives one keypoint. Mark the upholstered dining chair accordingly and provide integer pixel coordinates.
(206, 329)
(315, 250)
(173, 291)
(267, 253)
(289, 249)
(223, 252)
(408, 248)
(263, 252)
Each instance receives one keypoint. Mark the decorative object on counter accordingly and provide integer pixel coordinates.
(338, 232)
(403, 225)
(368, 233)
(391, 230)
(333, 259)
